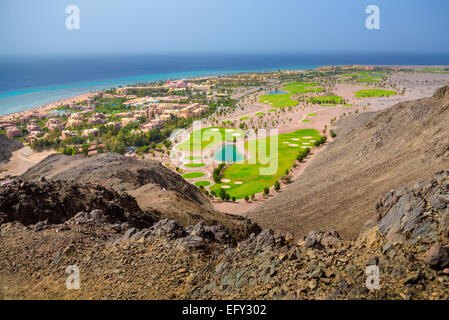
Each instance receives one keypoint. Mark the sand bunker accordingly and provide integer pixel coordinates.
(238, 182)
(225, 187)
(229, 130)
(236, 134)
(308, 137)
(293, 145)
(214, 129)
(295, 139)
(225, 180)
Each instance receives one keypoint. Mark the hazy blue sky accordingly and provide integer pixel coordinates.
(157, 26)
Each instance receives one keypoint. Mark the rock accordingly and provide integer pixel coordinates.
(438, 257)
(443, 198)
(444, 223)
(289, 238)
(436, 204)
(69, 250)
(168, 228)
(128, 234)
(191, 242)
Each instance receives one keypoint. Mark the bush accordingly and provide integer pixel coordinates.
(266, 191)
(233, 199)
(253, 196)
(333, 134)
(246, 198)
(228, 197)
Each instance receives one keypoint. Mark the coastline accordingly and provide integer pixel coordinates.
(47, 107)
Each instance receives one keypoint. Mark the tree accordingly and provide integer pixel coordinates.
(266, 191)
(228, 197)
(333, 134)
(233, 199)
(222, 194)
(277, 186)
(253, 196)
(246, 198)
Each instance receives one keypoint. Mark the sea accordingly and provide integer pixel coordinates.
(29, 81)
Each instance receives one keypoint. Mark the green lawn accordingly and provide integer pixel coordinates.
(194, 165)
(374, 93)
(193, 175)
(259, 114)
(305, 120)
(272, 110)
(203, 183)
(244, 118)
(311, 114)
(253, 180)
(326, 99)
(285, 100)
(207, 138)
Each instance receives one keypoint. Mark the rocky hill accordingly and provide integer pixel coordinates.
(372, 154)
(154, 186)
(407, 243)
(7, 147)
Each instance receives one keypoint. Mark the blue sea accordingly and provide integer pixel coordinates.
(32, 81)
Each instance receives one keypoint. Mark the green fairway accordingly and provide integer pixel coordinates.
(247, 178)
(285, 100)
(365, 77)
(244, 118)
(374, 93)
(259, 114)
(194, 165)
(207, 138)
(311, 114)
(193, 175)
(305, 120)
(272, 110)
(203, 183)
(326, 99)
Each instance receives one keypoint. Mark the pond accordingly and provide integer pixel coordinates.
(228, 152)
(277, 92)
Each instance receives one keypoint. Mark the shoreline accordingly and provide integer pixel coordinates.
(56, 103)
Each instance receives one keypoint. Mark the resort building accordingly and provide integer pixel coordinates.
(12, 132)
(94, 132)
(67, 134)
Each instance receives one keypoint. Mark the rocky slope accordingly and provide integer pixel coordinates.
(408, 241)
(154, 186)
(372, 154)
(7, 147)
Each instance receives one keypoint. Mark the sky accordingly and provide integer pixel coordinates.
(30, 27)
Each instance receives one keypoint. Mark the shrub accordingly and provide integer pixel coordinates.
(246, 198)
(333, 134)
(266, 191)
(233, 199)
(228, 197)
(253, 196)
(222, 194)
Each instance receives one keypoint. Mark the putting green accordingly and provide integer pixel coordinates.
(311, 114)
(194, 165)
(250, 174)
(305, 120)
(259, 114)
(374, 93)
(192, 175)
(203, 183)
(244, 118)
